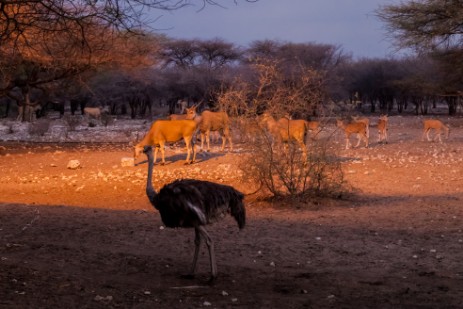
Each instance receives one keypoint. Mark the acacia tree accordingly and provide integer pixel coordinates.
(44, 63)
(42, 41)
(372, 80)
(67, 16)
(196, 67)
(295, 58)
(425, 24)
(432, 27)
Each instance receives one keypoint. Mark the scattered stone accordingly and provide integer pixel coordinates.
(127, 162)
(74, 164)
(103, 298)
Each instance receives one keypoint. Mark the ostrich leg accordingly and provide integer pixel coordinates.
(191, 274)
(210, 247)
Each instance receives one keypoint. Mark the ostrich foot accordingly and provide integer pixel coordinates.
(212, 280)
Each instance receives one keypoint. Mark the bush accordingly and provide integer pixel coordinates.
(284, 171)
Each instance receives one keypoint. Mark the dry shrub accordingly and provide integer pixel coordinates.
(282, 168)
(284, 171)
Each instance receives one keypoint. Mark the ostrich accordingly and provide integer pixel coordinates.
(191, 203)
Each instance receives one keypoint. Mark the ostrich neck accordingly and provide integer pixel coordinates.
(150, 192)
(146, 140)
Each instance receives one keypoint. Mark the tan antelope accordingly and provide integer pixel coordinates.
(212, 121)
(365, 120)
(285, 130)
(314, 127)
(95, 112)
(382, 129)
(165, 131)
(358, 128)
(437, 126)
(190, 114)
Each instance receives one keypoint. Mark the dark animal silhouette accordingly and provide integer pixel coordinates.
(191, 203)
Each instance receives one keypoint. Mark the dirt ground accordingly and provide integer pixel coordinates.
(88, 238)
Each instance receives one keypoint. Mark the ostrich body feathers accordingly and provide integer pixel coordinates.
(190, 203)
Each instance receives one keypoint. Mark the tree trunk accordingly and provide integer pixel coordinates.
(26, 110)
(7, 109)
(401, 104)
(390, 104)
(452, 104)
(372, 106)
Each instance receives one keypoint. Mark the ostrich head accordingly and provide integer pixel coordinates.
(150, 192)
(138, 149)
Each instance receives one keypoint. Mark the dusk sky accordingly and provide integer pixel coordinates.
(352, 24)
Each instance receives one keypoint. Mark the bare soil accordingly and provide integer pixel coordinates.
(88, 238)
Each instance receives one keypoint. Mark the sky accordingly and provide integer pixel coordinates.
(351, 24)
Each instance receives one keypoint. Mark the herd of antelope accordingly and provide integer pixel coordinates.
(360, 127)
(284, 130)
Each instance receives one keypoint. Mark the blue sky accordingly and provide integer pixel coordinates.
(352, 24)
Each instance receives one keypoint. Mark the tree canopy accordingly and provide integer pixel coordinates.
(433, 28)
(45, 41)
(425, 24)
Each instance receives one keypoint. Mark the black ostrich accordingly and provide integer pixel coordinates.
(191, 203)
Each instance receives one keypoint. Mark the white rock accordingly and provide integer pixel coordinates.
(103, 298)
(74, 164)
(127, 161)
